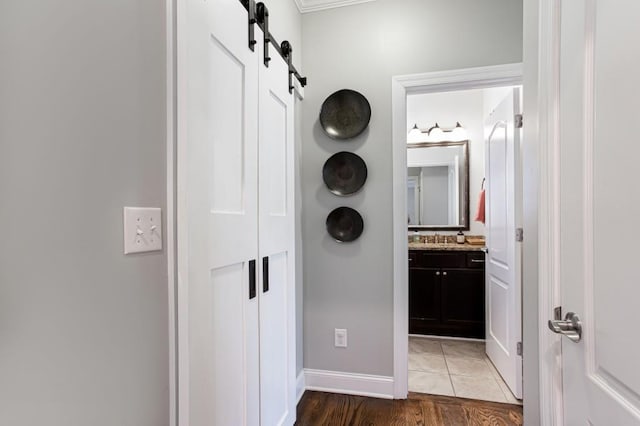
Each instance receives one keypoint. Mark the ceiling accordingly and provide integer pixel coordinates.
(306, 6)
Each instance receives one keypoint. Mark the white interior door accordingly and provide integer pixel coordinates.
(503, 267)
(599, 204)
(218, 216)
(277, 244)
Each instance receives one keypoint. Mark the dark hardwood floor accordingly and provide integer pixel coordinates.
(327, 409)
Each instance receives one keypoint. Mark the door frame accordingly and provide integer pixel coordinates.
(401, 86)
(542, 203)
(171, 227)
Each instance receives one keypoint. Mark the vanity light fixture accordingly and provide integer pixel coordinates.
(438, 134)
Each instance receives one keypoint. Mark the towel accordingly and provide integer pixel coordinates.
(480, 215)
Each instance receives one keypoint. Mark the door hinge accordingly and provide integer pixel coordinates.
(519, 348)
(518, 121)
(519, 235)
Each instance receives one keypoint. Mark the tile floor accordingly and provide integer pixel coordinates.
(455, 368)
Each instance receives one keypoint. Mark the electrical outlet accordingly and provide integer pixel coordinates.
(341, 338)
(142, 229)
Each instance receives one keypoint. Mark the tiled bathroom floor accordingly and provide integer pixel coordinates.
(455, 368)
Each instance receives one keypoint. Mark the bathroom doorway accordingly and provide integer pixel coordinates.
(461, 313)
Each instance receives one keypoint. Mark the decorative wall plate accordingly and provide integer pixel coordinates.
(345, 114)
(344, 173)
(345, 224)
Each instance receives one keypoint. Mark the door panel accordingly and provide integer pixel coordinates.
(215, 389)
(274, 362)
(226, 130)
(598, 276)
(218, 216)
(503, 273)
(274, 153)
(277, 243)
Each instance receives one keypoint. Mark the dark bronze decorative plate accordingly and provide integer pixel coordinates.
(345, 224)
(344, 173)
(345, 114)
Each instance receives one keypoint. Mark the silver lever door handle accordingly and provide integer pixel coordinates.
(570, 327)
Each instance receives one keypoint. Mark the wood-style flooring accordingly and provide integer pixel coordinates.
(327, 409)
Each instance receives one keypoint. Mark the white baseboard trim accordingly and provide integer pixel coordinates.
(434, 337)
(300, 386)
(349, 383)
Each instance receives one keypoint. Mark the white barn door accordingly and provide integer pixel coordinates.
(599, 206)
(503, 217)
(218, 216)
(276, 243)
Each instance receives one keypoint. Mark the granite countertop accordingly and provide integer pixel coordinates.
(445, 247)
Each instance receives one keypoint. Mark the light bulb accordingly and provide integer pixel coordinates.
(458, 133)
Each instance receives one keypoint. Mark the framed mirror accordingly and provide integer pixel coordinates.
(438, 185)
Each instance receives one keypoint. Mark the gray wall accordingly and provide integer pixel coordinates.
(83, 328)
(361, 47)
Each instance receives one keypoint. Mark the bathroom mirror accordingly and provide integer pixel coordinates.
(438, 185)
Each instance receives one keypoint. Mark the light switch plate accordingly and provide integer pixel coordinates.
(142, 229)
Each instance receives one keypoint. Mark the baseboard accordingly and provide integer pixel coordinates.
(349, 383)
(435, 337)
(300, 386)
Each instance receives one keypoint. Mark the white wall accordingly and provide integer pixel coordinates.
(361, 47)
(83, 328)
(466, 107)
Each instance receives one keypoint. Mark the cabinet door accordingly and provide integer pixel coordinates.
(424, 299)
(463, 302)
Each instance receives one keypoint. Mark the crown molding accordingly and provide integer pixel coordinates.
(306, 6)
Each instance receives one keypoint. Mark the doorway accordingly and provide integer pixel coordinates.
(464, 300)
(445, 353)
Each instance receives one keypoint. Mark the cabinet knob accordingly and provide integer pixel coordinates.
(444, 273)
(438, 273)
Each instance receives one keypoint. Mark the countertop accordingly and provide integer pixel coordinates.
(445, 247)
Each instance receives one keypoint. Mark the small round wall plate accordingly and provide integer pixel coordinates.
(345, 224)
(345, 114)
(344, 173)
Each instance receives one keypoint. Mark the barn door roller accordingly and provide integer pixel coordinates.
(259, 14)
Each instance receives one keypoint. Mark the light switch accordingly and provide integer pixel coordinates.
(142, 229)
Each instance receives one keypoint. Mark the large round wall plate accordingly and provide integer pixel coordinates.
(345, 224)
(344, 173)
(345, 114)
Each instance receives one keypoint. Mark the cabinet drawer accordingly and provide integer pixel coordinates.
(475, 260)
(443, 260)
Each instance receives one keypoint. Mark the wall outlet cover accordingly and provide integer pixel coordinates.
(142, 229)
(340, 338)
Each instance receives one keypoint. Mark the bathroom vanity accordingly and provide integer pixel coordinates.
(447, 290)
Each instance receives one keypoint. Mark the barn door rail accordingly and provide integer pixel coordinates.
(258, 14)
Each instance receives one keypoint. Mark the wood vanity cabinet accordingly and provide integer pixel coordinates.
(446, 293)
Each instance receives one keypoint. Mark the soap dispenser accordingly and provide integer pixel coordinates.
(460, 237)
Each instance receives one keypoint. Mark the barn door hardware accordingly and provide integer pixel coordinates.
(262, 13)
(287, 52)
(259, 15)
(251, 8)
